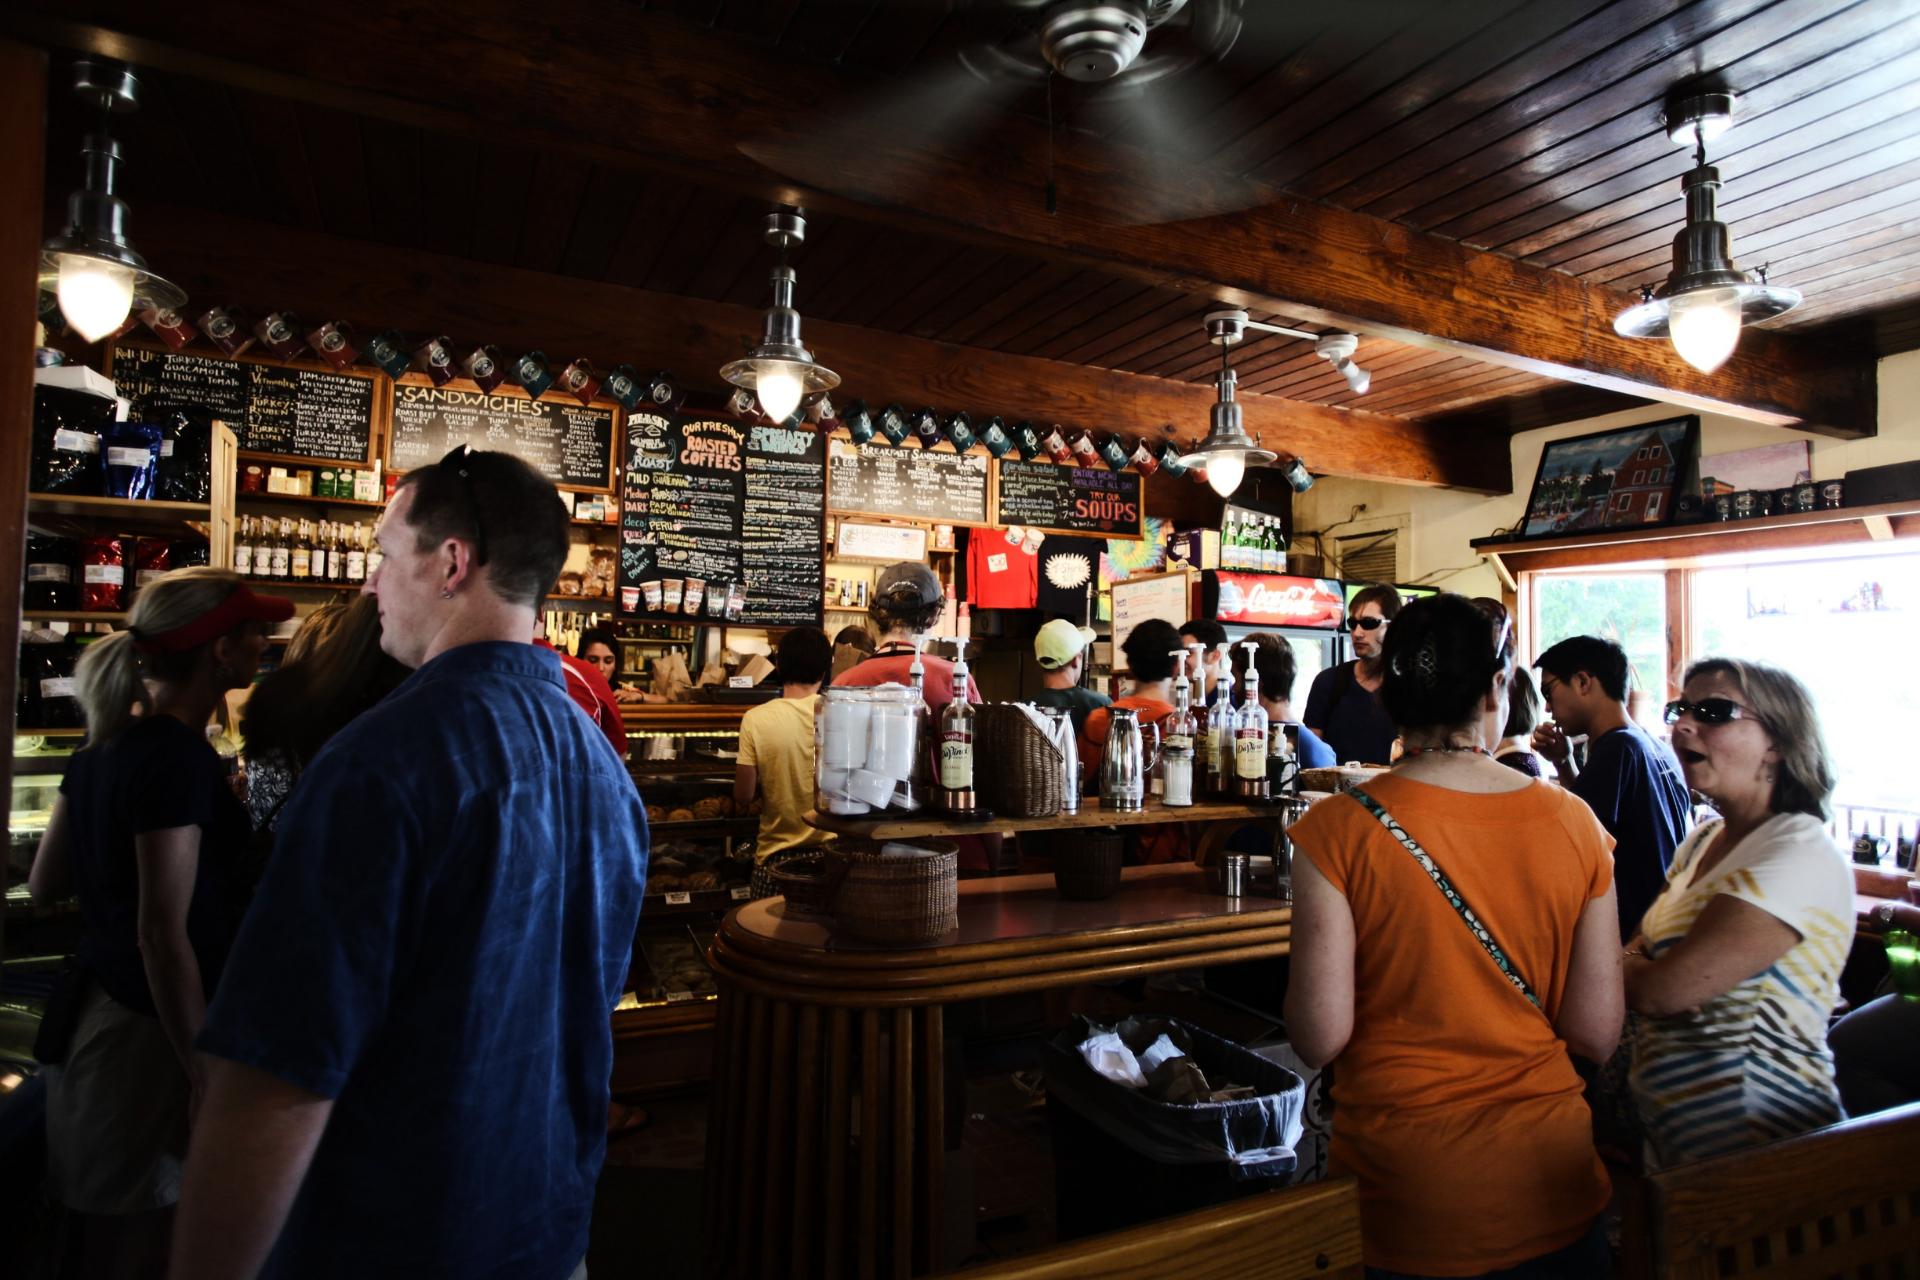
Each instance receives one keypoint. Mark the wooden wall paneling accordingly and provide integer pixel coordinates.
(1893, 288)
(1497, 89)
(1553, 402)
(1449, 394)
(899, 308)
(1763, 45)
(722, 110)
(448, 174)
(1818, 213)
(284, 176)
(940, 319)
(640, 242)
(500, 195)
(23, 104)
(1509, 38)
(1645, 239)
(425, 293)
(1888, 229)
(604, 210)
(1049, 314)
(1030, 291)
(553, 206)
(1076, 310)
(397, 213)
(886, 259)
(699, 232)
(1588, 196)
(1170, 311)
(1368, 59)
(1140, 302)
(1437, 380)
(739, 248)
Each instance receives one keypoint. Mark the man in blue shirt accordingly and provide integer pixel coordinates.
(1630, 780)
(411, 1048)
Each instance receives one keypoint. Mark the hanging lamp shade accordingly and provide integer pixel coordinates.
(780, 371)
(1228, 450)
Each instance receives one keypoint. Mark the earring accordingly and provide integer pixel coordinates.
(446, 595)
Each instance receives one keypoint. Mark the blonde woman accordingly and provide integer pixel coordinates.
(142, 832)
(1736, 967)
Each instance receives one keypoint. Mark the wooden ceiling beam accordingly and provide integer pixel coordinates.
(260, 266)
(602, 81)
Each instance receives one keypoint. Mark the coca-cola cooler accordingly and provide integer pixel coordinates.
(1307, 613)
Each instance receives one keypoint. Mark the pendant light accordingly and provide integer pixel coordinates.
(91, 266)
(780, 371)
(1706, 299)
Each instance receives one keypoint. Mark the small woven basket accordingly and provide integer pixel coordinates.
(1018, 772)
(905, 898)
(1088, 866)
(805, 880)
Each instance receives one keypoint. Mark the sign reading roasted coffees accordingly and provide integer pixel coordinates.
(1061, 499)
(272, 408)
(721, 520)
(569, 443)
(1274, 600)
(909, 484)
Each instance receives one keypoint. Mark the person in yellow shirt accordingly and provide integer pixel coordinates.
(776, 746)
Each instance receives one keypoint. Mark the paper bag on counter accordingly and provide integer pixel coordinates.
(756, 668)
(670, 678)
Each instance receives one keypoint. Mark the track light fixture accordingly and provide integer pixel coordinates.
(91, 266)
(1338, 348)
(1706, 299)
(781, 371)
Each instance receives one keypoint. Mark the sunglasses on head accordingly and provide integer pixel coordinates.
(1365, 624)
(461, 460)
(1708, 711)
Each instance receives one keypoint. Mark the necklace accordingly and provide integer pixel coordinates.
(1407, 753)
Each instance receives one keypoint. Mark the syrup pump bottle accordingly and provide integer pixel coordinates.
(1220, 730)
(1176, 747)
(954, 781)
(909, 795)
(1250, 738)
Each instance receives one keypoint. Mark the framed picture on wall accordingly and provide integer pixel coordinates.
(1628, 476)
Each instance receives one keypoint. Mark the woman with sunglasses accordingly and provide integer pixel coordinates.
(1454, 938)
(1737, 964)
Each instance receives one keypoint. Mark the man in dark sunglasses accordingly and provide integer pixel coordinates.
(1630, 779)
(1341, 706)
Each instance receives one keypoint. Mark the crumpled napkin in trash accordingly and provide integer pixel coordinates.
(1108, 1054)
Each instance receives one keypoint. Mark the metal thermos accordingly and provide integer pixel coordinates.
(1123, 772)
(1060, 731)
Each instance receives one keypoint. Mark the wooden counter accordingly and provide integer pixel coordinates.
(798, 1184)
(1091, 815)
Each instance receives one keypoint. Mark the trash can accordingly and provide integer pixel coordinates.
(1122, 1157)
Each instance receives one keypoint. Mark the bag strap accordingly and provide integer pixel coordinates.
(1452, 895)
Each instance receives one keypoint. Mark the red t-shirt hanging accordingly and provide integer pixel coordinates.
(1001, 572)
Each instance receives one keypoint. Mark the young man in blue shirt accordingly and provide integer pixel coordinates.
(410, 1051)
(1630, 780)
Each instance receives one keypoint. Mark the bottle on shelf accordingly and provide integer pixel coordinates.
(356, 566)
(371, 546)
(281, 552)
(336, 555)
(243, 548)
(1250, 738)
(1176, 744)
(1220, 728)
(955, 780)
(300, 557)
(318, 562)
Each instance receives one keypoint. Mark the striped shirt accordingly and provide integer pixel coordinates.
(1752, 1064)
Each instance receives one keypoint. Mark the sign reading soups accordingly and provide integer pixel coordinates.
(1089, 500)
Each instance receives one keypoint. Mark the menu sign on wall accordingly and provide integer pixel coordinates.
(276, 409)
(569, 443)
(721, 520)
(1086, 500)
(1274, 600)
(911, 484)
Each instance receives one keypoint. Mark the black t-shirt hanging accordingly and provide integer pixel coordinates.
(1069, 574)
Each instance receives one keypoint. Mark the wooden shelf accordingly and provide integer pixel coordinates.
(1090, 815)
(116, 514)
(1713, 537)
(593, 524)
(306, 500)
(73, 615)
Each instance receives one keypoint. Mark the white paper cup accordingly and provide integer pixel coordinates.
(651, 589)
(843, 737)
(673, 590)
(890, 744)
(840, 805)
(696, 594)
(873, 788)
(630, 599)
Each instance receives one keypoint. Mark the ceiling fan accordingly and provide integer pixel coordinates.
(1130, 63)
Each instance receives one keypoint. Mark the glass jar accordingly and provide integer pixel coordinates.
(867, 743)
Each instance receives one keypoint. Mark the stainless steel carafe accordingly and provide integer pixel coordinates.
(1128, 761)
(1060, 733)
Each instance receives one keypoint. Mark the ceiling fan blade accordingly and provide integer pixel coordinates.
(1158, 121)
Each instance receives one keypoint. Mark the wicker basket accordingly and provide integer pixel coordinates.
(1088, 866)
(805, 880)
(1017, 771)
(905, 898)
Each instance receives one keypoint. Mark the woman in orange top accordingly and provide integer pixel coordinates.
(1448, 987)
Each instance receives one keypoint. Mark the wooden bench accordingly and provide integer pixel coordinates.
(1840, 1201)
(1301, 1233)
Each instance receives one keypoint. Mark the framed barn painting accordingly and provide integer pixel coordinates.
(1625, 477)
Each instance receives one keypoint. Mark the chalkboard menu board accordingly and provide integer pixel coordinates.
(296, 413)
(914, 484)
(570, 443)
(722, 520)
(1070, 499)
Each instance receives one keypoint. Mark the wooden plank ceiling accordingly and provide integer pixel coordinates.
(1526, 129)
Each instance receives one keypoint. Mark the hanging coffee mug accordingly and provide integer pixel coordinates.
(387, 354)
(169, 326)
(435, 358)
(280, 334)
(334, 341)
(532, 373)
(482, 366)
(623, 384)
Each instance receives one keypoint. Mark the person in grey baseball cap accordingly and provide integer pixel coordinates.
(908, 603)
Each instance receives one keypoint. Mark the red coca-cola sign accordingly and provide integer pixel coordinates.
(1277, 600)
